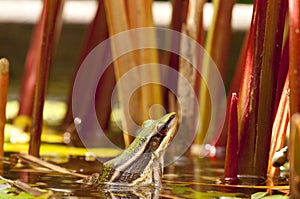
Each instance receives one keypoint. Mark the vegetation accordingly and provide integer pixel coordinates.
(263, 100)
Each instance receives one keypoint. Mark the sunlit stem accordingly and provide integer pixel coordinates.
(294, 158)
(280, 127)
(117, 22)
(4, 75)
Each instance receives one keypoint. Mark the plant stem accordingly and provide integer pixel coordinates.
(215, 45)
(294, 158)
(53, 14)
(246, 81)
(117, 22)
(231, 161)
(140, 15)
(274, 27)
(4, 76)
(96, 33)
(179, 14)
(235, 84)
(193, 28)
(282, 73)
(280, 127)
(294, 36)
(269, 21)
(31, 69)
(53, 167)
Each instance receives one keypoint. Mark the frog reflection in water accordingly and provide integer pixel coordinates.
(143, 161)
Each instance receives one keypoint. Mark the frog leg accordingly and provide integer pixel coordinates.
(157, 171)
(157, 175)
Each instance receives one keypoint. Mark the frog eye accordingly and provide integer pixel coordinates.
(162, 128)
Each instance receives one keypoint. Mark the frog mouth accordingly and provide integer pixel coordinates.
(171, 123)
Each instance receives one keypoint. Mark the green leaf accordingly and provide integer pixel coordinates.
(259, 195)
(184, 190)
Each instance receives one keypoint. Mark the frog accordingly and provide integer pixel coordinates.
(142, 163)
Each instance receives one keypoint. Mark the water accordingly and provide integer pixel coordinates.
(186, 178)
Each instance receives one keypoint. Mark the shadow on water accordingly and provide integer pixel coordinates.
(187, 178)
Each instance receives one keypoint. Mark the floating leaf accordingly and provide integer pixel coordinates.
(259, 195)
(186, 191)
(13, 190)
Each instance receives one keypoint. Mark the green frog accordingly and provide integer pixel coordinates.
(143, 161)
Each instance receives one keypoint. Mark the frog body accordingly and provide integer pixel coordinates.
(142, 162)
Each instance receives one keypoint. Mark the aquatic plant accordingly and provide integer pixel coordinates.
(261, 101)
(51, 25)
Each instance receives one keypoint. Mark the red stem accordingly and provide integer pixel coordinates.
(96, 33)
(231, 161)
(255, 141)
(31, 68)
(294, 34)
(179, 15)
(282, 73)
(53, 12)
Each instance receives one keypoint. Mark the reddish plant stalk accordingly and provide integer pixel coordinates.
(53, 14)
(254, 147)
(294, 69)
(294, 37)
(246, 81)
(237, 81)
(97, 32)
(4, 76)
(231, 163)
(178, 17)
(282, 73)
(31, 69)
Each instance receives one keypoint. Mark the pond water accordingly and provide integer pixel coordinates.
(186, 178)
